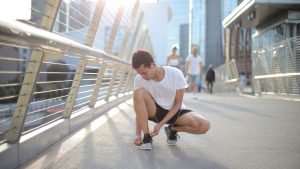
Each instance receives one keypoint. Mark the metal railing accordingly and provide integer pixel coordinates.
(55, 78)
(276, 68)
(227, 78)
(46, 76)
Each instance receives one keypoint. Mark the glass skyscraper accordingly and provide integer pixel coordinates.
(179, 17)
(200, 20)
(197, 21)
(206, 31)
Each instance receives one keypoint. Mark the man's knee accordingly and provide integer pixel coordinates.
(203, 126)
(139, 94)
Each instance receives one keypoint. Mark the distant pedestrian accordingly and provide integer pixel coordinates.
(210, 79)
(243, 80)
(193, 68)
(174, 60)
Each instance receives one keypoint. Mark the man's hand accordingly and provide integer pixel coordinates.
(138, 140)
(156, 130)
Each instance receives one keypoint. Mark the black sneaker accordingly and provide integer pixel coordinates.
(147, 143)
(172, 136)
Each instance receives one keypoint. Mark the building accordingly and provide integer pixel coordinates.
(213, 31)
(178, 26)
(184, 40)
(226, 8)
(266, 32)
(197, 31)
(156, 17)
(206, 31)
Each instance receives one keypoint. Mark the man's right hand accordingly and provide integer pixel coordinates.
(138, 140)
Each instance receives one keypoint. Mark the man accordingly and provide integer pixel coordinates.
(210, 79)
(158, 96)
(193, 68)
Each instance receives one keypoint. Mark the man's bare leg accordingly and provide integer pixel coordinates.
(144, 107)
(194, 90)
(191, 123)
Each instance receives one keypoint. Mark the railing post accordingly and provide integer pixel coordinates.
(95, 22)
(112, 37)
(112, 81)
(125, 69)
(128, 78)
(136, 31)
(127, 33)
(32, 72)
(74, 88)
(130, 82)
(51, 12)
(142, 38)
(98, 84)
(148, 44)
(145, 44)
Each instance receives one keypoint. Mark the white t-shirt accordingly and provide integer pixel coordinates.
(173, 62)
(164, 91)
(194, 64)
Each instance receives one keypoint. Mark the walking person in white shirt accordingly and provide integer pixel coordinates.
(193, 68)
(158, 96)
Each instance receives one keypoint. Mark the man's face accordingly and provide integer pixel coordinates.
(147, 73)
(194, 51)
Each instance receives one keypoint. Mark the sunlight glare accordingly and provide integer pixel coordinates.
(15, 9)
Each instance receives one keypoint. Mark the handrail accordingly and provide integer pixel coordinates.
(22, 34)
(276, 75)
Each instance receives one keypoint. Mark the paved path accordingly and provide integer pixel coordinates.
(246, 133)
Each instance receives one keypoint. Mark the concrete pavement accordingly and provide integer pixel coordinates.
(246, 133)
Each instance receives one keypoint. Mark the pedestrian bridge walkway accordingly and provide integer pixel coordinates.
(246, 132)
(66, 86)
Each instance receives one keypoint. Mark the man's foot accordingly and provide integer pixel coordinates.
(172, 136)
(147, 143)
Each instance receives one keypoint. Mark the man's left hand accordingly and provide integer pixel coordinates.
(156, 130)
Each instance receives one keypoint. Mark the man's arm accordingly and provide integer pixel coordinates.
(187, 65)
(200, 70)
(171, 113)
(175, 108)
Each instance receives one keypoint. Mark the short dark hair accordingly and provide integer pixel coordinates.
(141, 57)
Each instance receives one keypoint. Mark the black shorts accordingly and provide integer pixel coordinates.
(161, 113)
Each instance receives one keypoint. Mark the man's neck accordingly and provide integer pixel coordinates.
(159, 74)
